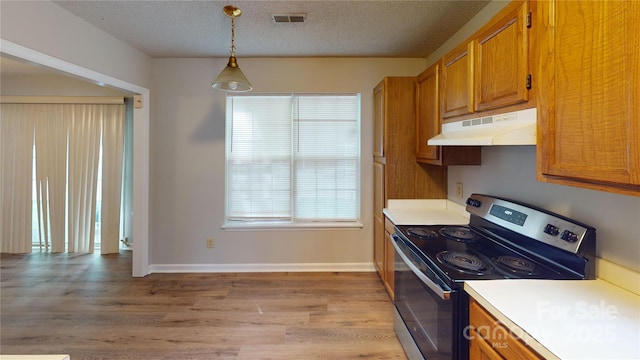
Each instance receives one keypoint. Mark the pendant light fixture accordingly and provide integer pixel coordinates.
(231, 77)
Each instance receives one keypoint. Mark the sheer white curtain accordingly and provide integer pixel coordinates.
(82, 179)
(16, 155)
(51, 175)
(68, 139)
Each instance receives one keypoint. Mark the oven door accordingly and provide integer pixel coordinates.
(425, 306)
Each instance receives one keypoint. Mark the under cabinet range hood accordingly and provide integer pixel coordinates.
(514, 128)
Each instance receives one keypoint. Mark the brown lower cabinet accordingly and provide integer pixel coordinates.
(489, 339)
(389, 255)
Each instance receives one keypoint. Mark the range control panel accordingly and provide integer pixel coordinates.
(539, 224)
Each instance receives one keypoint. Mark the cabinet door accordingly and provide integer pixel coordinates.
(378, 246)
(428, 125)
(389, 257)
(389, 268)
(457, 81)
(491, 340)
(378, 217)
(427, 113)
(501, 62)
(589, 102)
(378, 120)
(479, 349)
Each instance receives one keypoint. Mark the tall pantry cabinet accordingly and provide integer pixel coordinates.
(396, 174)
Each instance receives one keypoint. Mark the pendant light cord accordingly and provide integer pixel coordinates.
(233, 36)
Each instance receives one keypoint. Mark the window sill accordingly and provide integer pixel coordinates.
(250, 226)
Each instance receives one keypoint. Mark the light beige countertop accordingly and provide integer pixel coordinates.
(565, 319)
(426, 212)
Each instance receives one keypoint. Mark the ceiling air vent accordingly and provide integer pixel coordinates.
(289, 18)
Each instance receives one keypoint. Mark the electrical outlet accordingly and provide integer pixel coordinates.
(459, 190)
(210, 242)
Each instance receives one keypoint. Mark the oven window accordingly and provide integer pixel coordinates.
(428, 318)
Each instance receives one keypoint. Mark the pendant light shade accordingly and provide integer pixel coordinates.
(231, 77)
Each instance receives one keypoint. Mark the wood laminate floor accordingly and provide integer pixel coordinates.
(90, 307)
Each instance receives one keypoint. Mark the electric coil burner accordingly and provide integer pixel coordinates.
(517, 266)
(464, 262)
(458, 233)
(504, 239)
(422, 233)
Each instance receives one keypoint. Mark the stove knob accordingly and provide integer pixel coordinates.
(474, 202)
(569, 236)
(551, 230)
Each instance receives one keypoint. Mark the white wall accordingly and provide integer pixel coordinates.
(187, 147)
(49, 29)
(53, 85)
(188, 162)
(42, 32)
(510, 171)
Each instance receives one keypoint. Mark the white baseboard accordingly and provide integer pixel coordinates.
(230, 268)
(34, 357)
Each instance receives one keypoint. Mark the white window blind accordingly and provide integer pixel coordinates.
(293, 158)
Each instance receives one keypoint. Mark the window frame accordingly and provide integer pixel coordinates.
(292, 224)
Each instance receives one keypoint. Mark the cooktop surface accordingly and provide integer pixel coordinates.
(460, 254)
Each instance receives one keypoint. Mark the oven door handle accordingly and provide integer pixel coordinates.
(443, 294)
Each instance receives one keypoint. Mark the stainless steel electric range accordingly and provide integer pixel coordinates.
(504, 239)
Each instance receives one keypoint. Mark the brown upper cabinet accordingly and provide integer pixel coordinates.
(501, 57)
(491, 70)
(589, 94)
(427, 114)
(379, 133)
(428, 125)
(457, 85)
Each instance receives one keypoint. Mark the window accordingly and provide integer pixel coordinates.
(69, 166)
(293, 159)
(36, 242)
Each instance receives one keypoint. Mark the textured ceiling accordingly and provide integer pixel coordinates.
(362, 28)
